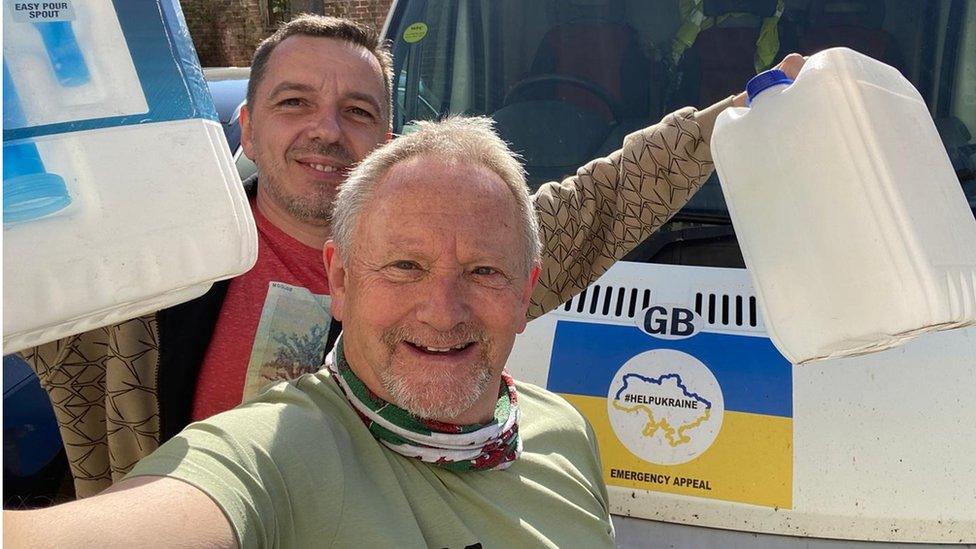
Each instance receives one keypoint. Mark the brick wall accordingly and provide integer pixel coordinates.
(225, 32)
(370, 12)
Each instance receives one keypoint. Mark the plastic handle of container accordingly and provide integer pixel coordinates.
(63, 52)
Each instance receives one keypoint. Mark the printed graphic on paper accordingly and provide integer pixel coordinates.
(291, 336)
(705, 414)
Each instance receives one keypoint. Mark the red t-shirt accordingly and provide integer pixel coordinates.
(263, 297)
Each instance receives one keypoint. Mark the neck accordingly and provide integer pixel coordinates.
(311, 234)
(483, 410)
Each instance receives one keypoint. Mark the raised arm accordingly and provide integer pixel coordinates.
(592, 219)
(138, 512)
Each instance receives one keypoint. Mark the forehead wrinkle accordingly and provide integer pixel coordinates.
(454, 243)
(289, 85)
(405, 244)
(391, 240)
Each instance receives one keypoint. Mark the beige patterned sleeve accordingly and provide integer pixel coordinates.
(102, 384)
(590, 220)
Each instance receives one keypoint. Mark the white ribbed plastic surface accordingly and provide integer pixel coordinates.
(157, 215)
(851, 220)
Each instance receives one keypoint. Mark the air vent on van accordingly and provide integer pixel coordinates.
(716, 309)
(609, 301)
(727, 310)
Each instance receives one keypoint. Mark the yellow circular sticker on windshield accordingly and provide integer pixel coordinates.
(415, 33)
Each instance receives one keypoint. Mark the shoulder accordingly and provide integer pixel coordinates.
(309, 408)
(535, 396)
(543, 410)
(550, 427)
(312, 396)
(256, 461)
(560, 449)
(282, 431)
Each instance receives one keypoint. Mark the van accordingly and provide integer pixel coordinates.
(708, 436)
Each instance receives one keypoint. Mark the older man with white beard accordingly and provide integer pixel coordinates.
(413, 435)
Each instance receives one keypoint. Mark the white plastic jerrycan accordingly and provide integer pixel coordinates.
(851, 220)
(120, 195)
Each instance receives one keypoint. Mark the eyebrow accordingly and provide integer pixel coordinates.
(360, 96)
(300, 87)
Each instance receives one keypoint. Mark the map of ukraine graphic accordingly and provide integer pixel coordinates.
(675, 435)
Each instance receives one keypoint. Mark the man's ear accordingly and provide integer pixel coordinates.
(527, 295)
(335, 270)
(246, 140)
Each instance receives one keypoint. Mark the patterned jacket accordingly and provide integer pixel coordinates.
(120, 391)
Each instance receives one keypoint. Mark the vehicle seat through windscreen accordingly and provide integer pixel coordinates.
(855, 24)
(605, 53)
(588, 76)
(722, 57)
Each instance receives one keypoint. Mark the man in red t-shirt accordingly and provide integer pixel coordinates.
(316, 105)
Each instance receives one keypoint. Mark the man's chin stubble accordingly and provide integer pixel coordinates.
(317, 212)
(429, 400)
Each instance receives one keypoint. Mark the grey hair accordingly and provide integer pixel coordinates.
(462, 139)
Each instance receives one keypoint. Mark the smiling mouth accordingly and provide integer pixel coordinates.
(324, 168)
(440, 351)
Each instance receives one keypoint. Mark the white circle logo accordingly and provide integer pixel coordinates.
(665, 406)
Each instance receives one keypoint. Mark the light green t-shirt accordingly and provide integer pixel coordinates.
(296, 467)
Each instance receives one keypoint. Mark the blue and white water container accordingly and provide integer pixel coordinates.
(120, 194)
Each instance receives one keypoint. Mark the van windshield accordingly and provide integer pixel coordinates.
(566, 80)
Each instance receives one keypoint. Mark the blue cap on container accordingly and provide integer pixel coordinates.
(29, 192)
(28, 197)
(764, 81)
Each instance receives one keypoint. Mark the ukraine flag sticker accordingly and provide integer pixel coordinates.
(705, 414)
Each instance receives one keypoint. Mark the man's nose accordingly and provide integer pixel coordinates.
(325, 125)
(444, 303)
